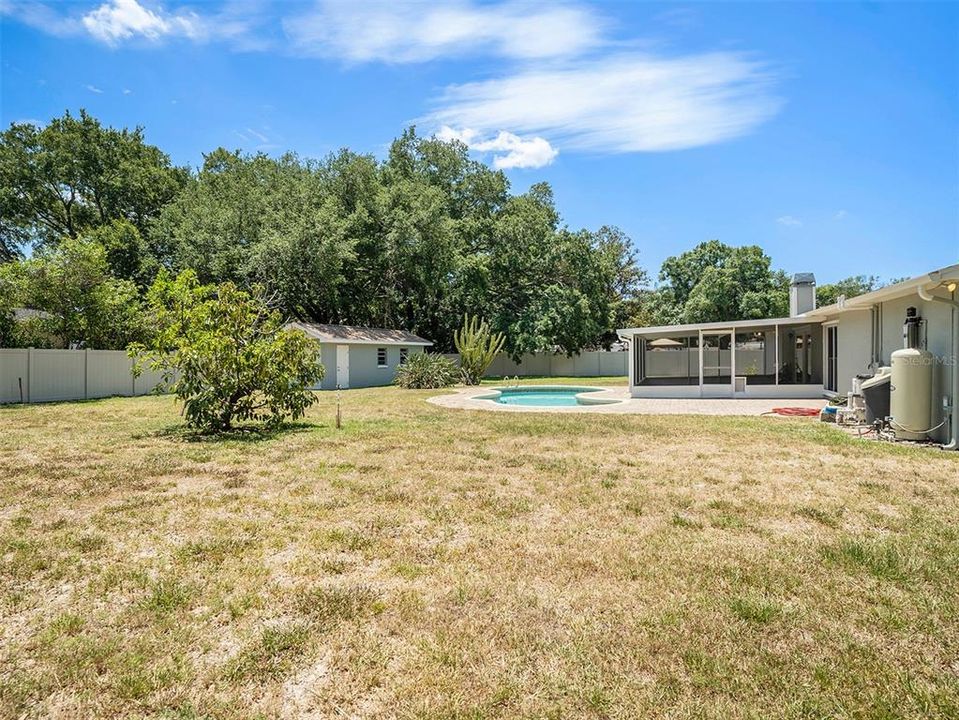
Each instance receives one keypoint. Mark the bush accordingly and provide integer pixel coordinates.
(422, 371)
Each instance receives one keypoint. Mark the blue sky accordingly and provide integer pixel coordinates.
(826, 133)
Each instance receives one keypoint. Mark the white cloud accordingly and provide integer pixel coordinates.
(119, 20)
(259, 136)
(508, 150)
(624, 103)
(789, 221)
(40, 16)
(94, 89)
(841, 215)
(416, 32)
(127, 91)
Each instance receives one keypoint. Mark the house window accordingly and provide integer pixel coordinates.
(404, 352)
(381, 357)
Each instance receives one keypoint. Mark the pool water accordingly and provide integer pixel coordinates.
(540, 396)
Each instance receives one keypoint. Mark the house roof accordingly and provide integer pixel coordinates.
(22, 314)
(929, 280)
(666, 330)
(355, 335)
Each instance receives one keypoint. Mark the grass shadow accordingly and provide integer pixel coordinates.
(243, 433)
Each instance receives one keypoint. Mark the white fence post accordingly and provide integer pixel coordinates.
(29, 374)
(86, 373)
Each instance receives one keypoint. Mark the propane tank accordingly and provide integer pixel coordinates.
(910, 392)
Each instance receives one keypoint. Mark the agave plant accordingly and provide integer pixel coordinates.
(477, 346)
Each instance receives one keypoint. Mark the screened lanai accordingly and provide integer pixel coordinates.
(749, 358)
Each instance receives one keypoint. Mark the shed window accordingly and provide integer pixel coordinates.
(381, 357)
(404, 352)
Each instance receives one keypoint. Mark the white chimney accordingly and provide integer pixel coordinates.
(802, 294)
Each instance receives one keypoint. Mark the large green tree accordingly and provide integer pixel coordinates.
(849, 287)
(714, 282)
(74, 299)
(414, 241)
(73, 175)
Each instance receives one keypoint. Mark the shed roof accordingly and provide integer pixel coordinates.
(355, 335)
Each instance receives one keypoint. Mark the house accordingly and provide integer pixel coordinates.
(814, 352)
(356, 357)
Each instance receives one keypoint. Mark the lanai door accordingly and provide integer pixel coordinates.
(717, 367)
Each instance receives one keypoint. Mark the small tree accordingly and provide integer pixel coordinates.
(477, 346)
(225, 354)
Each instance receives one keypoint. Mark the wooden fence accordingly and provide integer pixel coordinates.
(31, 375)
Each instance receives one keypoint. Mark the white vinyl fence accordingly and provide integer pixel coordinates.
(587, 364)
(31, 375)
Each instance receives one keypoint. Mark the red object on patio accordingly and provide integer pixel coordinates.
(796, 411)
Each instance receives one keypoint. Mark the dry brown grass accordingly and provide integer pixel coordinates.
(433, 563)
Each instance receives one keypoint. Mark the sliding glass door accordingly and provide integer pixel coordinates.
(832, 358)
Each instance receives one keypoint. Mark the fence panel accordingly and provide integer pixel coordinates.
(14, 380)
(587, 364)
(108, 373)
(613, 363)
(56, 375)
(53, 375)
(148, 381)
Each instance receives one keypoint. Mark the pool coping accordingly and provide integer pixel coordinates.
(468, 399)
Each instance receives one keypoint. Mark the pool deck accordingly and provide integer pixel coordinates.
(465, 399)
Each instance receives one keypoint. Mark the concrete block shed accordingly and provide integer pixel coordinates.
(357, 357)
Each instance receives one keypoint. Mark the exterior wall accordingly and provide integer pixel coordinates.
(328, 360)
(364, 371)
(938, 317)
(856, 340)
(53, 375)
(854, 352)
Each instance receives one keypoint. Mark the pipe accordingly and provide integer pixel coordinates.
(953, 443)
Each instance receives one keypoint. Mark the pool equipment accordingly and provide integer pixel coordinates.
(910, 388)
(875, 393)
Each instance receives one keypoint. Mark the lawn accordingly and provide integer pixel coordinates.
(423, 562)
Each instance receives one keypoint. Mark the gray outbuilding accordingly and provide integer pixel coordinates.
(356, 357)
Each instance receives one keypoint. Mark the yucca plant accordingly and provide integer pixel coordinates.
(424, 370)
(477, 346)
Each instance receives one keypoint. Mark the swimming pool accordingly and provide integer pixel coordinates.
(546, 396)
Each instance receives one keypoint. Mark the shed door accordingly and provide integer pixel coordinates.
(343, 366)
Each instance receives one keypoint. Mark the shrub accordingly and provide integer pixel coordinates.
(226, 355)
(477, 346)
(423, 371)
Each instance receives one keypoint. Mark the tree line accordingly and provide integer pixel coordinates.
(91, 216)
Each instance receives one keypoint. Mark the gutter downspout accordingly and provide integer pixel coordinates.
(953, 443)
